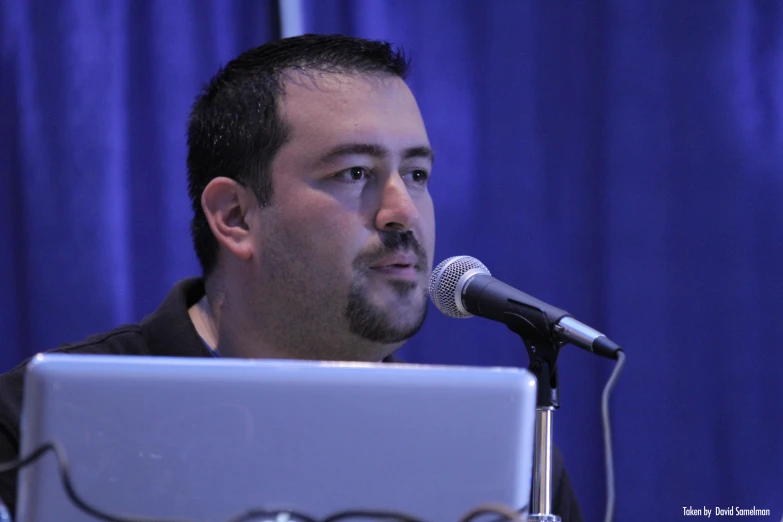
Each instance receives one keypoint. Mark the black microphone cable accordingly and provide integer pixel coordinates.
(63, 467)
(257, 515)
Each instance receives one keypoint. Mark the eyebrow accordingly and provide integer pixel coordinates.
(376, 151)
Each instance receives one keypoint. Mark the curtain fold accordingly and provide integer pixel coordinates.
(95, 97)
(620, 160)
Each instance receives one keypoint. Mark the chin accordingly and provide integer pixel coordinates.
(388, 318)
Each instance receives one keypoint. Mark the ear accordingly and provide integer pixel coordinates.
(226, 204)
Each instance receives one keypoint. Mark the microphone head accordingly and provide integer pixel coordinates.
(447, 280)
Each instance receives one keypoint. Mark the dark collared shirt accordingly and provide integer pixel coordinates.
(169, 332)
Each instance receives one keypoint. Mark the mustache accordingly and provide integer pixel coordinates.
(392, 243)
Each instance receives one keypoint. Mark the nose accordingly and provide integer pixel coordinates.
(397, 210)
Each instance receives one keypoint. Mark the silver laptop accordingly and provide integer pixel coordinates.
(210, 439)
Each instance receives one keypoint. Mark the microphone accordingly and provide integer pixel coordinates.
(462, 287)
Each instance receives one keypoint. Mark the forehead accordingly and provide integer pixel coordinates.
(328, 108)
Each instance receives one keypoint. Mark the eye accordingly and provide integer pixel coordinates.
(353, 174)
(419, 176)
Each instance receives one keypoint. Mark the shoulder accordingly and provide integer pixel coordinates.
(124, 340)
(167, 331)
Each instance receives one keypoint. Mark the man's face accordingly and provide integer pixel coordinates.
(345, 248)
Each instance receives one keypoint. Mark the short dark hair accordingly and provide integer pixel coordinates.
(235, 129)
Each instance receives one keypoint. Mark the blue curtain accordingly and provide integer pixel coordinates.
(95, 97)
(621, 160)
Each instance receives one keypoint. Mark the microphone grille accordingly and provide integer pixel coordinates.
(444, 279)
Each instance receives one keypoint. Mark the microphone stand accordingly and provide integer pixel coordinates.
(543, 349)
(543, 364)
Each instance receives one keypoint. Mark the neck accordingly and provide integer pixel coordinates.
(223, 330)
(221, 322)
(205, 321)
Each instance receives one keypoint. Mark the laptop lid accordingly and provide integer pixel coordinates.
(209, 439)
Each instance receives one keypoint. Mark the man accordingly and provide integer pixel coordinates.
(308, 164)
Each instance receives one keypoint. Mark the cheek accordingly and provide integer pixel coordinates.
(319, 227)
(427, 226)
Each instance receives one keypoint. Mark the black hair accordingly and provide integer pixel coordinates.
(235, 129)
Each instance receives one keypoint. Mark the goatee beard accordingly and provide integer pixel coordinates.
(372, 322)
(377, 325)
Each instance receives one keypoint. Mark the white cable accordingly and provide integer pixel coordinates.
(608, 436)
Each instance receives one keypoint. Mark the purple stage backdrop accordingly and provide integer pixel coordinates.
(621, 160)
